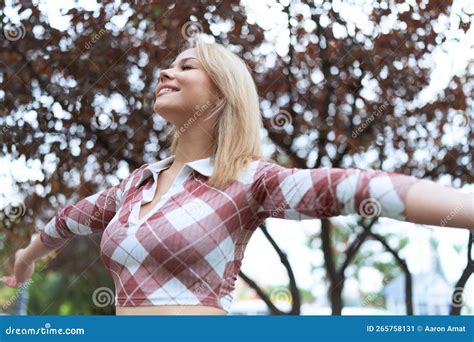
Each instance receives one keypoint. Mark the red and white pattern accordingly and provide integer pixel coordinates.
(188, 249)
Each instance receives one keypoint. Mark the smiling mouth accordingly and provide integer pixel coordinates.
(166, 92)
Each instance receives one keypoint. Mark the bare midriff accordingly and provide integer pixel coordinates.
(169, 310)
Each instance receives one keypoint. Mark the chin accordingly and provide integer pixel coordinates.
(163, 113)
(159, 108)
(169, 107)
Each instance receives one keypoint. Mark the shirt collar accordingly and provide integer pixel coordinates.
(204, 166)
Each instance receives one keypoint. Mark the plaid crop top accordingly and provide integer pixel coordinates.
(188, 249)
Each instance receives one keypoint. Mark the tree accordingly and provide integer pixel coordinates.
(333, 100)
(341, 93)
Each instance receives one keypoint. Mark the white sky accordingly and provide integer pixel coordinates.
(261, 262)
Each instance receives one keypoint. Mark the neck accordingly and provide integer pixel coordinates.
(193, 145)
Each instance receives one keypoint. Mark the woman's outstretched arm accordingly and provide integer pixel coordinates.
(299, 194)
(434, 204)
(90, 215)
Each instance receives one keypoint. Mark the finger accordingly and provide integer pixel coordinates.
(10, 281)
(6, 278)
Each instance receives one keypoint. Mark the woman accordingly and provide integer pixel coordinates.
(174, 232)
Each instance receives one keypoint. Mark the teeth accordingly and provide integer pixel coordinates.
(166, 90)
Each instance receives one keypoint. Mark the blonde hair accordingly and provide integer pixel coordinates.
(237, 132)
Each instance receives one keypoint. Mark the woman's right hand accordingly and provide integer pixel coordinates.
(22, 270)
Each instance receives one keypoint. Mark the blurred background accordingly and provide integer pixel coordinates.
(346, 83)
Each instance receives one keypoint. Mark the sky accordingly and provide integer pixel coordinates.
(261, 262)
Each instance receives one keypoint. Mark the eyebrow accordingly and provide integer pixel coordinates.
(184, 59)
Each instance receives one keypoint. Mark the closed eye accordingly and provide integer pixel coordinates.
(184, 67)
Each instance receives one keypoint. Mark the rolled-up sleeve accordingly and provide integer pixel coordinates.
(88, 216)
(299, 194)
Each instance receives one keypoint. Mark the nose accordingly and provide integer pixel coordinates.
(165, 74)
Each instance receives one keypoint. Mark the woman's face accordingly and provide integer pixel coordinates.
(193, 93)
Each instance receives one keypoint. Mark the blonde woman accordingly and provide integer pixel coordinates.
(174, 232)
